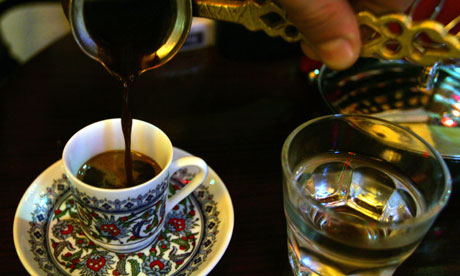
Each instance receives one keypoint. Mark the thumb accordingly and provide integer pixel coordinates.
(330, 29)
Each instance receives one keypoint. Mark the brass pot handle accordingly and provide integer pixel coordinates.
(268, 16)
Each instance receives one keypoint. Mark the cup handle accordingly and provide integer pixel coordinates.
(190, 187)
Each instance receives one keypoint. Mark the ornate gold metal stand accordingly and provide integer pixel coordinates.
(426, 42)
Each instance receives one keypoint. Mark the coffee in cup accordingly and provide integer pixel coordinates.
(107, 170)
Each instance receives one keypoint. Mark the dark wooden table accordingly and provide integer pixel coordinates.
(233, 111)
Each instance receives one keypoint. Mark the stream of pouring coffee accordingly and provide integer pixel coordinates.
(128, 34)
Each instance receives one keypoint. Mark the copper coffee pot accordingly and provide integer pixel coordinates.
(270, 17)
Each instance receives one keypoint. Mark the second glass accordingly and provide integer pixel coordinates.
(359, 195)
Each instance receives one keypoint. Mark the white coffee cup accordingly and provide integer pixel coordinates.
(127, 219)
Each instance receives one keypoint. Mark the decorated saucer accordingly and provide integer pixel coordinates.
(49, 240)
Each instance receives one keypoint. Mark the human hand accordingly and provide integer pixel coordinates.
(330, 28)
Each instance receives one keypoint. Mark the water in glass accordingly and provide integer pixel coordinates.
(368, 197)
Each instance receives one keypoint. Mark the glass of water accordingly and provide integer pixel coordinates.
(359, 194)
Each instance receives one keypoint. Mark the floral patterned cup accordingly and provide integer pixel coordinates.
(128, 219)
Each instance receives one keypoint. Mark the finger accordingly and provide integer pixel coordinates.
(330, 30)
(309, 51)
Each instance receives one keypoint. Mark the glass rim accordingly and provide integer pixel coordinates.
(426, 216)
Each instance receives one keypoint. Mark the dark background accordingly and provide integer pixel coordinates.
(233, 105)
